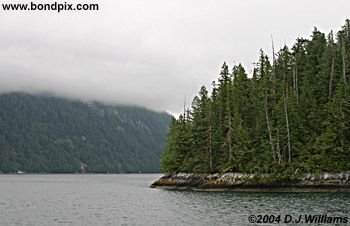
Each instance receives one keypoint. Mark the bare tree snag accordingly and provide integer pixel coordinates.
(269, 129)
(331, 78)
(210, 143)
(344, 63)
(287, 125)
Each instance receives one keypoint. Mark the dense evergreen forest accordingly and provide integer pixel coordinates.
(291, 115)
(50, 134)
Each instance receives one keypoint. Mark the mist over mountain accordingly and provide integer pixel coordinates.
(44, 133)
(142, 53)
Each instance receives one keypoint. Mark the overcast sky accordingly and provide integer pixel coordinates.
(146, 52)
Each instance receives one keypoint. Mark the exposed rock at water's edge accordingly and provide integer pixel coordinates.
(326, 182)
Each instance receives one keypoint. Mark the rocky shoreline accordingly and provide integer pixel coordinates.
(326, 182)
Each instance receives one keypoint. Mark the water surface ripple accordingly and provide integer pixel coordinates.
(94, 199)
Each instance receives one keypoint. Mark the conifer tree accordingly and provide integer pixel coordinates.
(292, 114)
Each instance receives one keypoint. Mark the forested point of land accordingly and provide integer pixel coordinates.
(291, 115)
(43, 134)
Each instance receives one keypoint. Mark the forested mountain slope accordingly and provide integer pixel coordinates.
(291, 115)
(51, 134)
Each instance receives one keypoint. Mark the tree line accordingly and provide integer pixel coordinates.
(292, 114)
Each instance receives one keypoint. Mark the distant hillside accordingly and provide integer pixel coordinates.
(50, 134)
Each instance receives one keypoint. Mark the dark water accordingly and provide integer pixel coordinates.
(127, 200)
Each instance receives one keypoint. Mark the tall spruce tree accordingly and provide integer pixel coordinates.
(293, 114)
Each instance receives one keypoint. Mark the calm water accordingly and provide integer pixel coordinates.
(127, 200)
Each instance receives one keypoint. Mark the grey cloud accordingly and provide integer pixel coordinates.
(149, 53)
